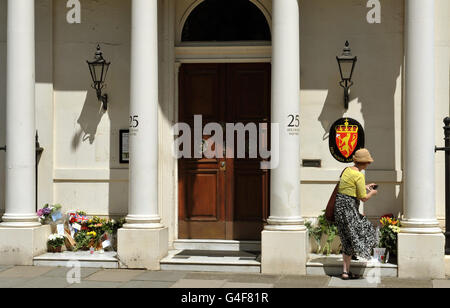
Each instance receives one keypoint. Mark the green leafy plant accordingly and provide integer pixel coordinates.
(390, 227)
(83, 240)
(323, 227)
(95, 230)
(55, 240)
(316, 233)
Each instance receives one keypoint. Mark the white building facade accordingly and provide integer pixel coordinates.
(400, 96)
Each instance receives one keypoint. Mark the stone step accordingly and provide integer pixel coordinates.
(108, 259)
(320, 265)
(212, 261)
(220, 245)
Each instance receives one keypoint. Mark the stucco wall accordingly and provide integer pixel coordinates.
(86, 138)
(442, 65)
(80, 167)
(376, 97)
(2, 100)
(87, 171)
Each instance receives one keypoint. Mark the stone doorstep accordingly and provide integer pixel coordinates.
(319, 265)
(177, 261)
(85, 259)
(221, 245)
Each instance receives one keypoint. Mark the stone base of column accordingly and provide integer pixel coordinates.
(18, 246)
(421, 256)
(284, 252)
(447, 265)
(142, 248)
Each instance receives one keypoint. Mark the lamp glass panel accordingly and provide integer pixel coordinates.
(105, 72)
(346, 67)
(98, 69)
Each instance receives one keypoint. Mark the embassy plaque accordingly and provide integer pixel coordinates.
(346, 137)
(124, 157)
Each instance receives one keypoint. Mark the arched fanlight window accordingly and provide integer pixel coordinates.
(226, 20)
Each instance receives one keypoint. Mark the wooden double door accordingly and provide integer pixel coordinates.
(223, 198)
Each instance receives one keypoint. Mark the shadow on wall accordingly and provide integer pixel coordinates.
(108, 23)
(379, 48)
(89, 119)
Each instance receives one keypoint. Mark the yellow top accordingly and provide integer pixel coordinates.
(353, 184)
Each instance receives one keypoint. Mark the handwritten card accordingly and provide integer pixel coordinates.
(60, 229)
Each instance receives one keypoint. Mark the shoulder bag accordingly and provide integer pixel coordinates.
(329, 212)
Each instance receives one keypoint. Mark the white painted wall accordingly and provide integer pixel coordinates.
(2, 100)
(44, 98)
(87, 172)
(442, 65)
(80, 167)
(376, 97)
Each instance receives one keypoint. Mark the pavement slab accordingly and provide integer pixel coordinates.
(5, 267)
(302, 282)
(46, 282)
(203, 284)
(12, 282)
(147, 284)
(233, 277)
(337, 282)
(241, 285)
(160, 276)
(61, 272)
(25, 272)
(114, 275)
(96, 284)
(405, 283)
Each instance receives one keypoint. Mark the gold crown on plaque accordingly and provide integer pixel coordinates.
(342, 129)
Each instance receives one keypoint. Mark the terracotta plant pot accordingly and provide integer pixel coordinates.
(54, 249)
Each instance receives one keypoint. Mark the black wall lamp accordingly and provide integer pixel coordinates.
(346, 67)
(99, 69)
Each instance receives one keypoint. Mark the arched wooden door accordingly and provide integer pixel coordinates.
(223, 198)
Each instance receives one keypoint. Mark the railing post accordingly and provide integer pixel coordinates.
(447, 185)
(446, 149)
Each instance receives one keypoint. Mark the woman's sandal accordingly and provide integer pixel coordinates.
(350, 276)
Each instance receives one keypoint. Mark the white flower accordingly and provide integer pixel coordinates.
(54, 237)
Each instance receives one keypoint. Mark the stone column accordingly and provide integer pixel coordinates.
(421, 242)
(143, 241)
(284, 238)
(20, 234)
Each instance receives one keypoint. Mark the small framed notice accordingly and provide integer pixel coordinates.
(124, 155)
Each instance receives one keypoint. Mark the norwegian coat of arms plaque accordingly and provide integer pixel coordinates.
(346, 137)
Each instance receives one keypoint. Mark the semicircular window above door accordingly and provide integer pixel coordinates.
(226, 20)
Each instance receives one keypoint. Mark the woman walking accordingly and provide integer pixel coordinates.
(358, 236)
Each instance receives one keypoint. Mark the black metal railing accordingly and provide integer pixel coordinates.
(446, 149)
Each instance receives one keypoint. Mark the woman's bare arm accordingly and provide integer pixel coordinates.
(372, 193)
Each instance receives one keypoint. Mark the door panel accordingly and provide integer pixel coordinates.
(201, 181)
(223, 198)
(249, 95)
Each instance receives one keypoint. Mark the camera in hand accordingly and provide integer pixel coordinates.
(375, 187)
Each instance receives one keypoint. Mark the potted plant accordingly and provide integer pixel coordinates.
(55, 243)
(390, 227)
(324, 234)
(50, 214)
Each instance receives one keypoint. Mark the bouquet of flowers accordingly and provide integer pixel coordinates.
(94, 232)
(49, 214)
(55, 242)
(390, 227)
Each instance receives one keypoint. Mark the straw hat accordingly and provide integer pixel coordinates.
(362, 156)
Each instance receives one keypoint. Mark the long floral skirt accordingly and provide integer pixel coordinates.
(358, 235)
